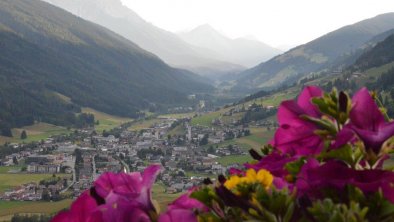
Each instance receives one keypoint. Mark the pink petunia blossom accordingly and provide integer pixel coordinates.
(314, 179)
(115, 197)
(295, 135)
(183, 209)
(368, 122)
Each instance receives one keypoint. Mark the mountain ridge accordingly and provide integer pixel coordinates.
(168, 46)
(314, 55)
(46, 50)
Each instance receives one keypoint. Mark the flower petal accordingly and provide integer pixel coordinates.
(305, 100)
(365, 114)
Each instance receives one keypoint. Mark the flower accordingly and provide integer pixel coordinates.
(183, 209)
(274, 163)
(262, 177)
(115, 197)
(296, 136)
(368, 122)
(314, 179)
(81, 210)
(344, 136)
(132, 187)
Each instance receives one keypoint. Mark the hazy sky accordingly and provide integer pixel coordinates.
(275, 22)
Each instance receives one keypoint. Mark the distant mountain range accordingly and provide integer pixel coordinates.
(244, 51)
(113, 15)
(48, 54)
(316, 55)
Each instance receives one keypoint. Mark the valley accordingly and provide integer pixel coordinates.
(89, 87)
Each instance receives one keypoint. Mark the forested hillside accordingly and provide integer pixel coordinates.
(48, 53)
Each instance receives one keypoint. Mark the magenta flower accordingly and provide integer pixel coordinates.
(274, 163)
(120, 212)
(129, 187)
(368, 122)
(81, 210)
(183, 209)
(116, 197)
(343, 137)
(235, 171)
(296, 136)
(314, 179)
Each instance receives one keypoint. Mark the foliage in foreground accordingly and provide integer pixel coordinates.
(325, 163)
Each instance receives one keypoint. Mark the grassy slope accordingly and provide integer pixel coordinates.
(107, 121)
(41, 131)
(36, 132)
(143, 124)
(272, 100)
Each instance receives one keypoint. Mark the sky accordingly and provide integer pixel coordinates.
(279, 23)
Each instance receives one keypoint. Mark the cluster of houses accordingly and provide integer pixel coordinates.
(181, 156)
(34, 192)
(23, 192)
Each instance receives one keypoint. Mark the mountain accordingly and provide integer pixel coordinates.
(244, 51)
(48, 54)
(313, 56)
(379, 55)
(113, 15)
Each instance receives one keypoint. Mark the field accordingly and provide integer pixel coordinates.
(143, 124)
(228, 160)
(41, 131)
(163, 198)
(177, 131)
(10, 180)
(106, 121)
(177, 115)
(8, 208)
(36, 132)
(7, 169)
(257, 139)
(206, 119)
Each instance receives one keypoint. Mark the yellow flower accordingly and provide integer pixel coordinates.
(232, 182)
(263, 177)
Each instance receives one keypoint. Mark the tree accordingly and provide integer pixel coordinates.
(181, 173)
(6, 131)
(45, 195)
(23, 135)
(204, 140)
(15, 160)
(211, 150)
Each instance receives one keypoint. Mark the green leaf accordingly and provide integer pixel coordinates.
(344, 153)
(295, 166)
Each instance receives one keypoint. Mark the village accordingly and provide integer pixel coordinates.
(186, 159)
